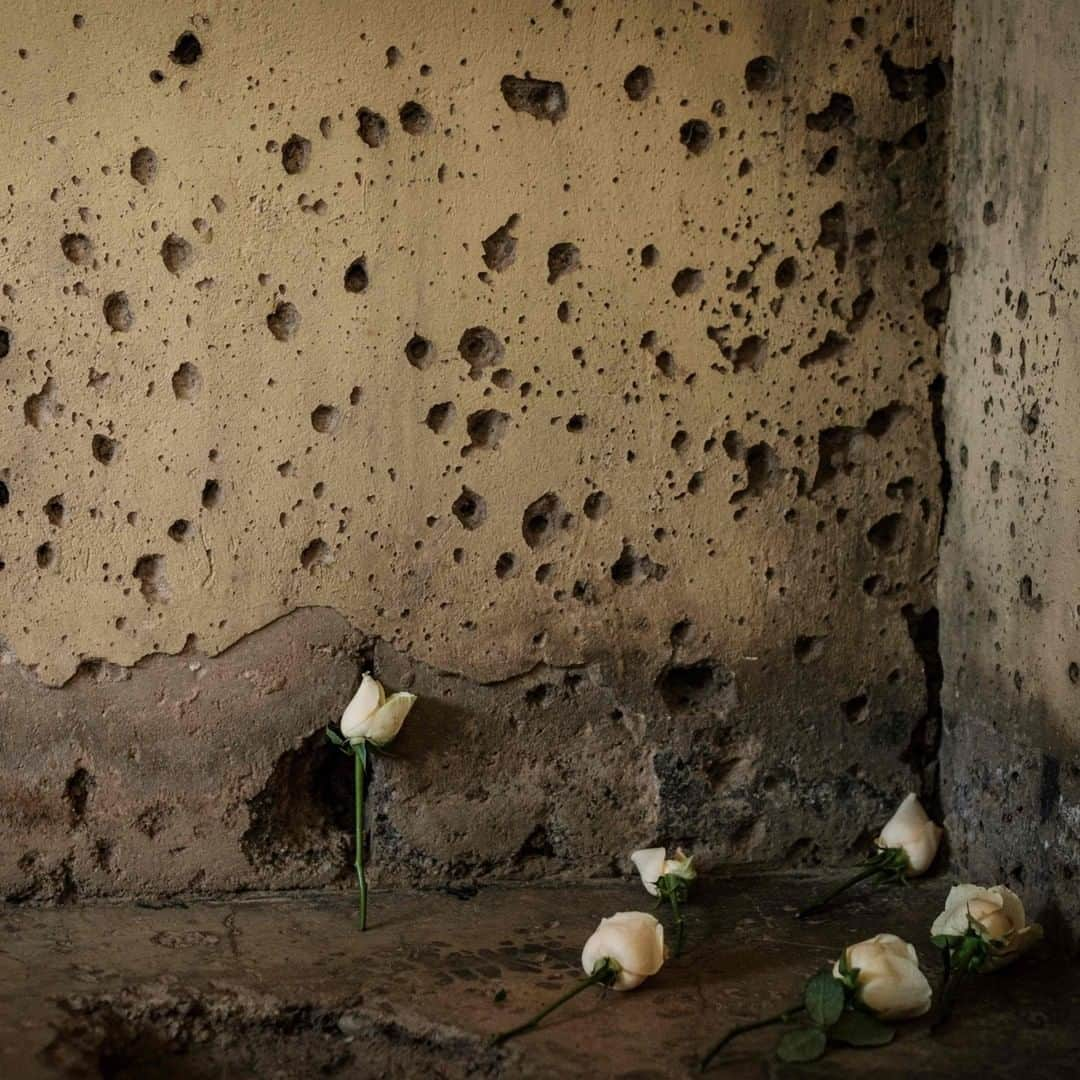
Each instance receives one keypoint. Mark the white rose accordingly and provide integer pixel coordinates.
(997, 914)
(914, 833)
(653, 864)
(888, 977)
(634, 940)
(374, 717)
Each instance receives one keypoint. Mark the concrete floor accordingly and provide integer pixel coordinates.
(285, 986)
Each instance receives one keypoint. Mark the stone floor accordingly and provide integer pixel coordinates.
(285, 986)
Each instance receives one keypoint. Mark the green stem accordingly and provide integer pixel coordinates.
(680, 924)
(741, 1029)
(869, 870)
(956, 967)
(358, 784)
(602, 973)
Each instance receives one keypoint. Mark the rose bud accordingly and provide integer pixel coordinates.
(888, 979)
(911, 831)
(373, 717)
(996, 915)
(653, 864)
(631, 943)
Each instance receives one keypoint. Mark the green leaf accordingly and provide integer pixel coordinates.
(824, 999)
(860, 1029)
(801, 1044)
(334, 737)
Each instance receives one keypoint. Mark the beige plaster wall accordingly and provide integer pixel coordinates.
(650, 513)
(1011, 557)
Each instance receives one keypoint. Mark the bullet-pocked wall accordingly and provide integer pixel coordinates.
(576, 366)
(1011, 560)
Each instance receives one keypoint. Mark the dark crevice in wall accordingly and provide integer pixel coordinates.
(924, 629)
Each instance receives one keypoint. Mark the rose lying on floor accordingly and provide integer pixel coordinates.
(906, 848)
(370, 718)
(622, 952)
(980, 930)
(668, 879)
(872, 982)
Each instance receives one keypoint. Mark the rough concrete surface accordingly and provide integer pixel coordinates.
(1011, 555)
(287, 986)
(583, 360)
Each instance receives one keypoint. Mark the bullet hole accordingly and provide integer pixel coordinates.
(840, 112)
(905, 84)
(827, 161)
(77, 790)
(295, 154)
(179, 530)
(995, 475)
(684, 686)
(211, 495)
(500, 248)
(650, 256)
(687, 280)
(787, 272)
(1030, 420)
(77, 249)
(54, 510)
(577, 423)
(393, 56)
(833, 234)
(470, 509)
(441, 416)
(118, 313)
(885, 534)
(317, 553)
(42, 407)
(506, 565)
(633, 569)
(150, 573)
(860, 308)
(104, 449)
(415, 119)
(543, 519)
(665, 362)
(856, 709)
(176, 253)
(696, 136)
(807, 648)
(481, 349)
(762, 472)
(762, 73)
(144, 165)
(597, 504)
(562, 259)
(419, 352)
(989, 214)
(1074, 673)
(186, 382)
(1022, 306)
(356, 276)
(639, 83)
(283, 321)
(371, 127)
(45, 555)
(325, 419)
(486, 428)
(187, 49)
(832, 348)
(539, 98)
(750, 354)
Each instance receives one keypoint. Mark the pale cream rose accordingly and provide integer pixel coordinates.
(996, 913)
(888, 978)
(634, 940)
(653, 864)
(910, 830)
(372, 716)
